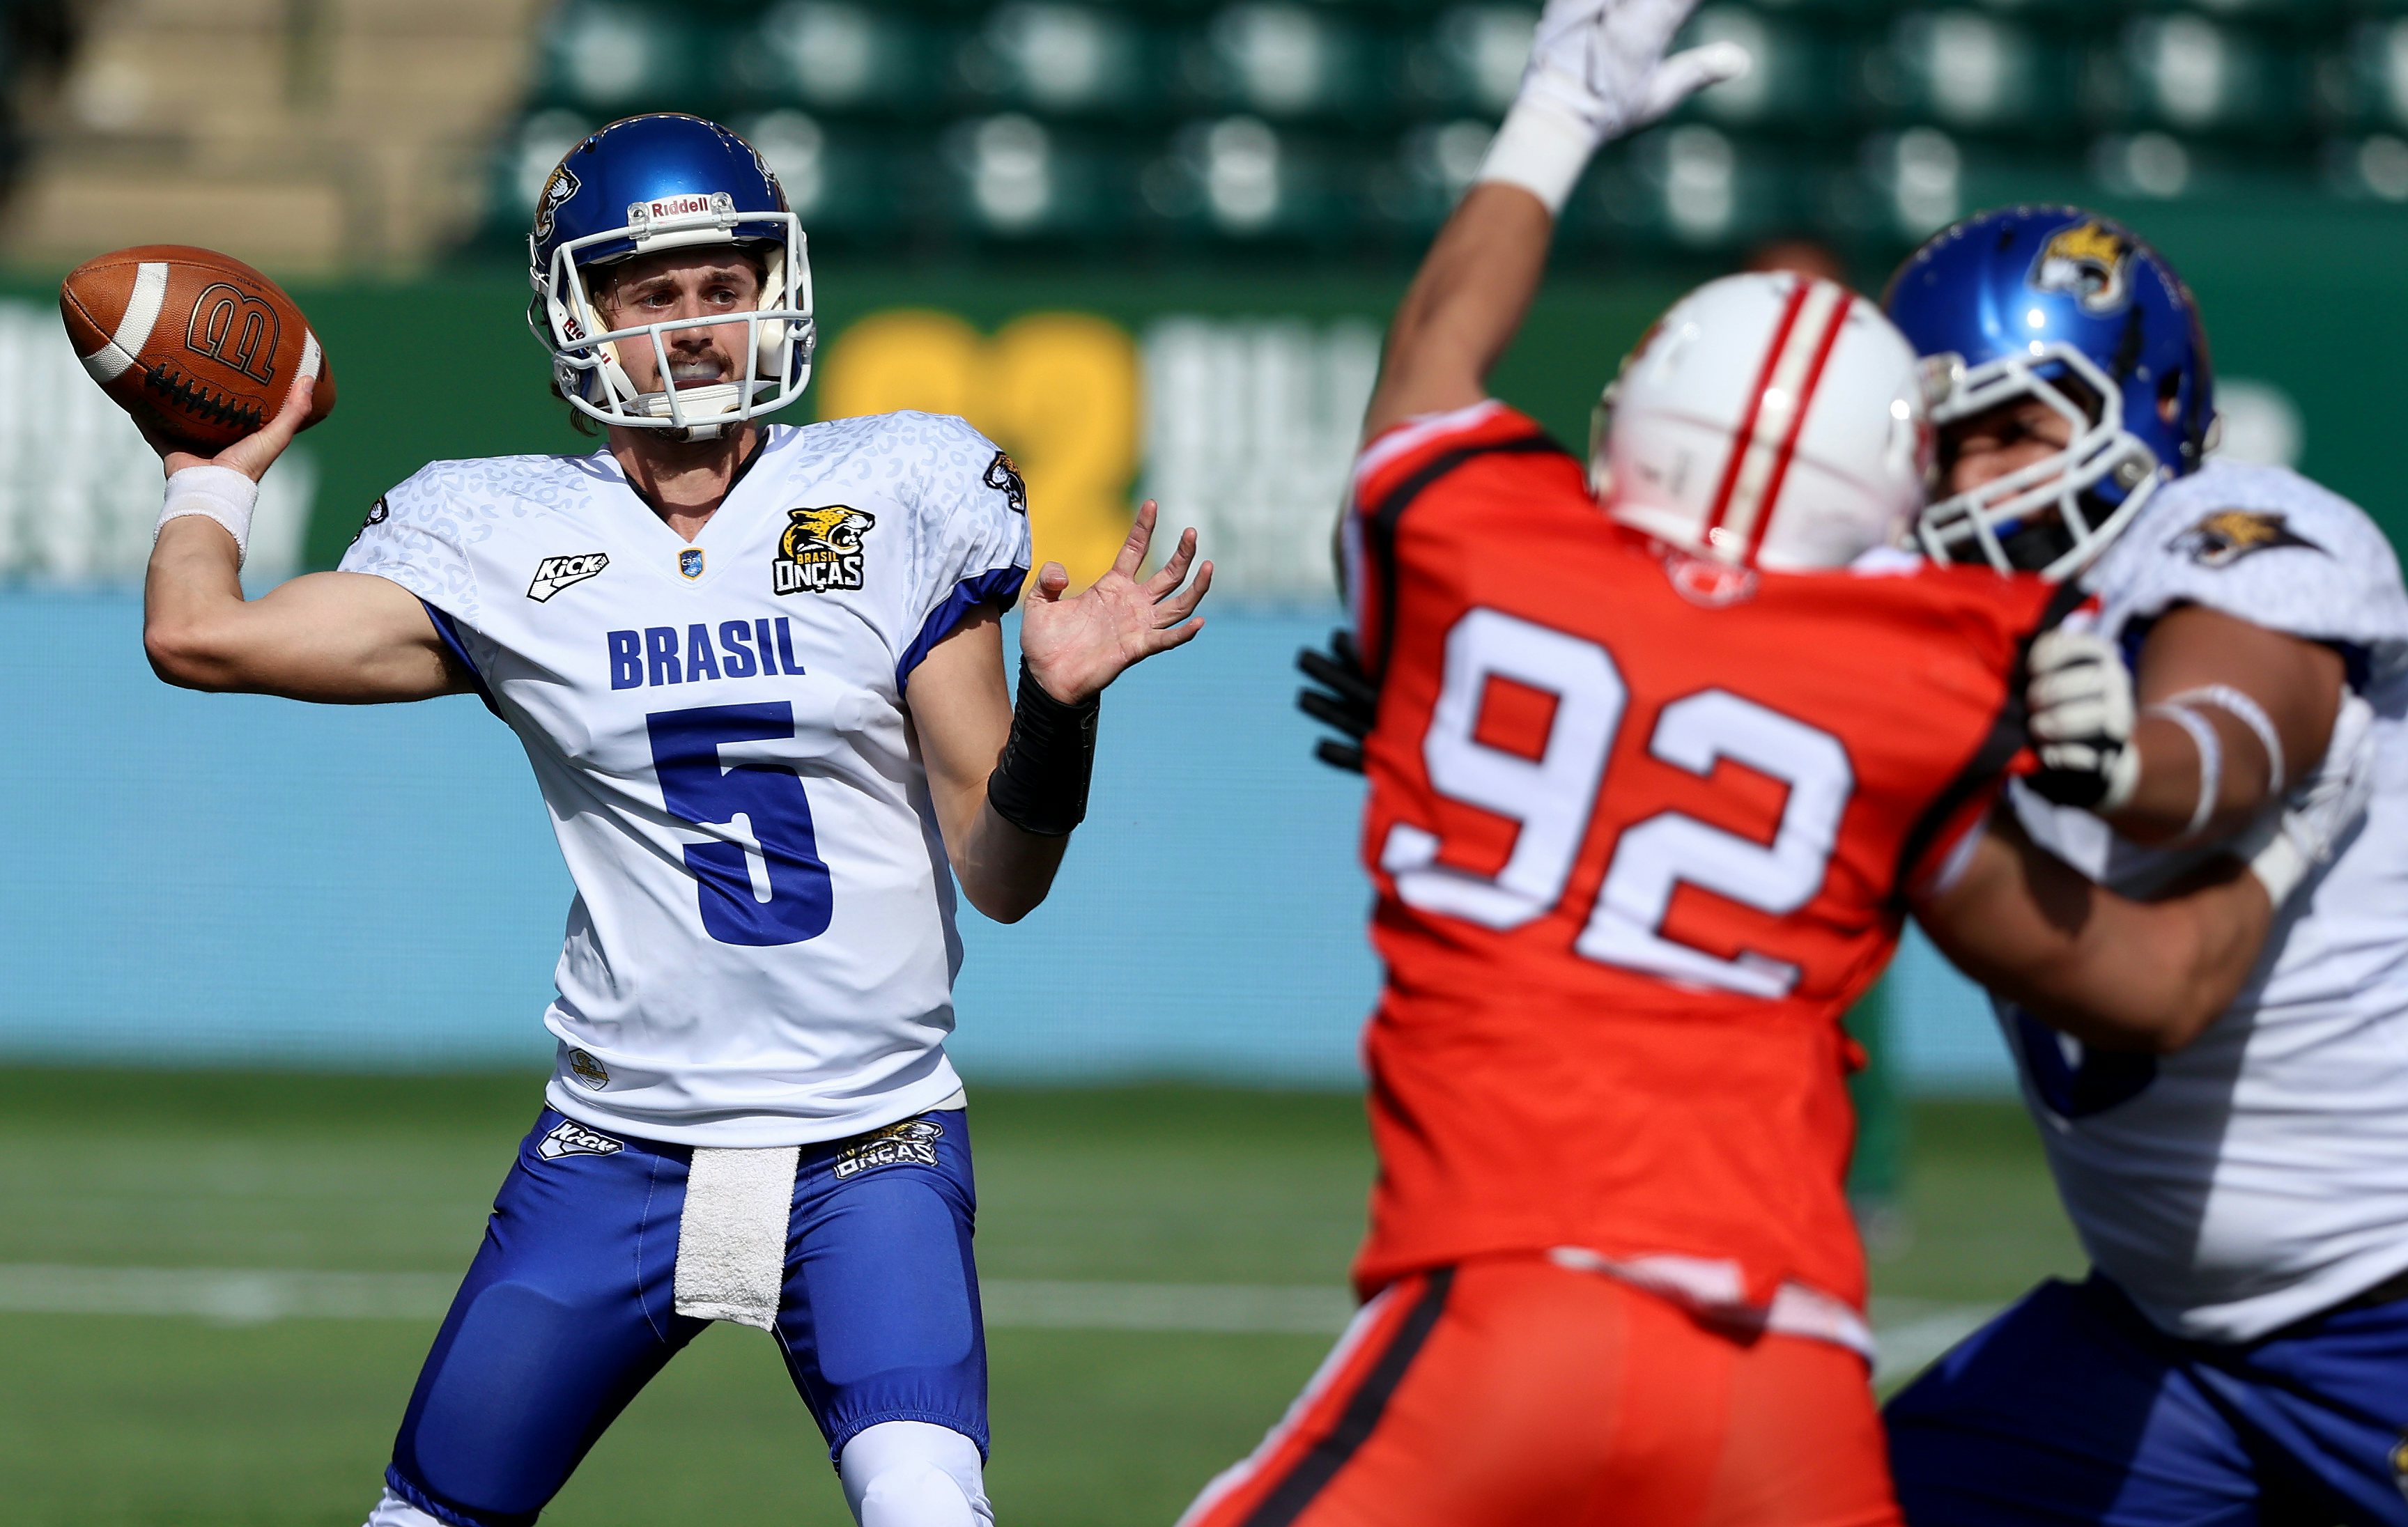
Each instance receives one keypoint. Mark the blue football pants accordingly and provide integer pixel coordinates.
(566, 1311)
(2071, 1408)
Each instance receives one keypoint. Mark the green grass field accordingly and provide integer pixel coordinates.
(108, 1419)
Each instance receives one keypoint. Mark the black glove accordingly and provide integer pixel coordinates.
(1347, 700)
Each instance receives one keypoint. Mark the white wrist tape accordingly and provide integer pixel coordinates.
(2250, 713)
(216, 492)
(1542, 147)
(2211, 760)
(2280, 867)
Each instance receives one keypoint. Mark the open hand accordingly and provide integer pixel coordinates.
(1605, 62)
(1075, 647)
(255, 452)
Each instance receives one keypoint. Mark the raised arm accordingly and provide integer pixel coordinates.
(1597, 72)
(1009, 778)
(340, 638)
(1464, 305)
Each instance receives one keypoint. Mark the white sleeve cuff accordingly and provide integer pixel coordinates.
(1542, 147)
(215, 492)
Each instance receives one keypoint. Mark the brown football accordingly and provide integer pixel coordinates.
(195, 343)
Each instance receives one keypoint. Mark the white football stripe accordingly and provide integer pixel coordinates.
(114, 359)
(310, 354)
(1777, 415)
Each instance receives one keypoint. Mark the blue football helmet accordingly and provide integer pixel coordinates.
(2060, 305)
(645, 184)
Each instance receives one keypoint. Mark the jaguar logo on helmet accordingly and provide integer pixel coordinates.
(776, 187)
(2089, 259)
(558, 188)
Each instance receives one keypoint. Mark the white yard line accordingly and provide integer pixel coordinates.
(249, 1296)
(1312, 1310)
(236, 1297)
(1911, 1331)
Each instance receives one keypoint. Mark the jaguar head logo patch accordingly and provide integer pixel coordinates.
(1005, 479)
(823, 550)
(2224, 538)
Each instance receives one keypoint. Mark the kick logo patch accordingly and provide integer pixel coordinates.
(553, 574)
(2226, 537)
(571, 1139)
(914, 1140)
(821, 551)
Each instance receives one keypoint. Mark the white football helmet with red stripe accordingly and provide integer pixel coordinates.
(1767, 421)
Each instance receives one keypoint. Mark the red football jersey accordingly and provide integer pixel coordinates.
(1640, 825)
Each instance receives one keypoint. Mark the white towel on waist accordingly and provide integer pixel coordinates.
(731, 1261)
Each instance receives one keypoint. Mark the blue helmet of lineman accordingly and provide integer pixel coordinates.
(639, 186)
(2059, 304)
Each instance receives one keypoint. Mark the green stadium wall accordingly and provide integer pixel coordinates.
(2308, 297)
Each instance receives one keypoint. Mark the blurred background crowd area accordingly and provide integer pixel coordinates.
(397, 135)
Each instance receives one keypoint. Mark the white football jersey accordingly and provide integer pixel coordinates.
(2261, 1175)
(761, 951)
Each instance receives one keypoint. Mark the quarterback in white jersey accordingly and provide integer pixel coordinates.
(759, 672)
(781, 973)
(2239, 1353)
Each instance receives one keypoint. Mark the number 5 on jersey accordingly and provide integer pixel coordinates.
(1551, 799)
(765, 882)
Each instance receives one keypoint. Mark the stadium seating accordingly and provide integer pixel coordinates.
(1351, 124)
(310, 136)
(1215, 127)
